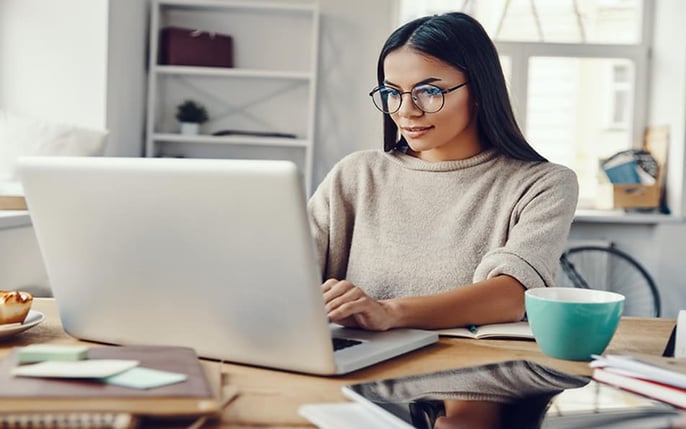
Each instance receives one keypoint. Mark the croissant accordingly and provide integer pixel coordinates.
(14, 306)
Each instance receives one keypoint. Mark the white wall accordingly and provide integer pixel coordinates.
(126, 76)
(54, 58)
(352, 34)
(668, 92)
(79, 62)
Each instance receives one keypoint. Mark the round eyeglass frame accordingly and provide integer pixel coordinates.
(414, 98)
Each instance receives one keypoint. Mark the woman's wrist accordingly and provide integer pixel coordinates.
(394, 312)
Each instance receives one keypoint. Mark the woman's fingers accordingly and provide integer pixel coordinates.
(328, 284)
(349, 306)
(335, 288)
(342, 298)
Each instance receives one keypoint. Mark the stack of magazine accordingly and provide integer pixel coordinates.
(656, 377)
(631, 167)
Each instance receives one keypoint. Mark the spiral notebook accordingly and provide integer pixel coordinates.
(91, 420)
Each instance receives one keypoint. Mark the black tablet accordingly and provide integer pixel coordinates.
(510, 394)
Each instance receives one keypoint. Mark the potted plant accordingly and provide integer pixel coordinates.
(190, 115)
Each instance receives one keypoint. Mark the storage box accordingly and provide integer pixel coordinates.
(12, 202)
(189, 47)
(625, 196)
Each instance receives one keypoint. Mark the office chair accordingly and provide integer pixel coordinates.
(608, 268)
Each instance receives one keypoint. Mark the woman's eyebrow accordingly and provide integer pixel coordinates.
(427, 80)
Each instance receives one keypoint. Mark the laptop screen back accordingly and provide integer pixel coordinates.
(211, 254)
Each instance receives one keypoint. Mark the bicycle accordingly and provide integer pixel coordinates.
(608, 268)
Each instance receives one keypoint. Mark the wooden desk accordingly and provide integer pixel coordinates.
(271, 398)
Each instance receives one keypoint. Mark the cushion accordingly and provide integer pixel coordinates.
(26, 136)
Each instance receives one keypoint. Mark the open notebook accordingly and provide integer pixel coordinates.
(215, 255)
(514, 330)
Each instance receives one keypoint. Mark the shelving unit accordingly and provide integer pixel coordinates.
(270, 89)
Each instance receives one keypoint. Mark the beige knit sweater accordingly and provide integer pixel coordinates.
(395, 225)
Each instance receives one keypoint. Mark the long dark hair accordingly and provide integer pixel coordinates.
(459, 40)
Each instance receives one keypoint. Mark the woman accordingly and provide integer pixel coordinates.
(459, 215)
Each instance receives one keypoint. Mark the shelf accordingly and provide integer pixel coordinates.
(231, 72)
(271, 86)
(622, 217)
(231, 140)
(244, 4)
(14, 218)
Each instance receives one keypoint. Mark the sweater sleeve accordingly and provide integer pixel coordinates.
(331, 222)
(318, 209)
(539, 228)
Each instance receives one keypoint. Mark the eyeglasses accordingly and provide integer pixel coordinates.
(428, 98)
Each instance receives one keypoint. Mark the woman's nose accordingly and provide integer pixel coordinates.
(408, 107)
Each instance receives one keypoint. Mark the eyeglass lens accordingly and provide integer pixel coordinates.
(428, 98)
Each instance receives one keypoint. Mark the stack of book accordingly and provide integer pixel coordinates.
(48, 385)
(631, 167)
(660, 378)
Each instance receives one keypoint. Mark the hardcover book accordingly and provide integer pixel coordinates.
(192, 397)
(656, 377)
(660, 369)
(651, 389)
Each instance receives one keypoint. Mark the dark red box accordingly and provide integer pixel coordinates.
(188, 47)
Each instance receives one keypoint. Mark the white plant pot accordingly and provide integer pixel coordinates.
(190, 128)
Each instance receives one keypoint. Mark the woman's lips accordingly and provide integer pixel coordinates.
(415, 132)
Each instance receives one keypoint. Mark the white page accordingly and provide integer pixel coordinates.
(92, 368)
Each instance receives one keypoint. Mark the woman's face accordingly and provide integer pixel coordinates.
(449, 134)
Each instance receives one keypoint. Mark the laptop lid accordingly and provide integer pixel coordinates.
(211, 254)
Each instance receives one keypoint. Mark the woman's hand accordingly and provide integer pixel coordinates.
(348, 305)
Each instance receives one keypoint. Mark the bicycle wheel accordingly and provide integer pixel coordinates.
(607, 268)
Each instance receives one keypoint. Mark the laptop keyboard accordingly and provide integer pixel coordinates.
(343, 343)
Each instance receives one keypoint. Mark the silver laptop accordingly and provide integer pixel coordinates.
(212, 254)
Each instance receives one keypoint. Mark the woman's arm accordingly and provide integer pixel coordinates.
(499, 299)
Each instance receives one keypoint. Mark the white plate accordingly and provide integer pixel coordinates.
(32, 319)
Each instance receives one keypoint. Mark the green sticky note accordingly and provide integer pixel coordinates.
(144, 378)
(94, 368)
(51, 352)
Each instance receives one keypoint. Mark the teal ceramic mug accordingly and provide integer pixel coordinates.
(573, 323)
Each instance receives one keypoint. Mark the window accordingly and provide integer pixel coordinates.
(619, 95)
(576, 71)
